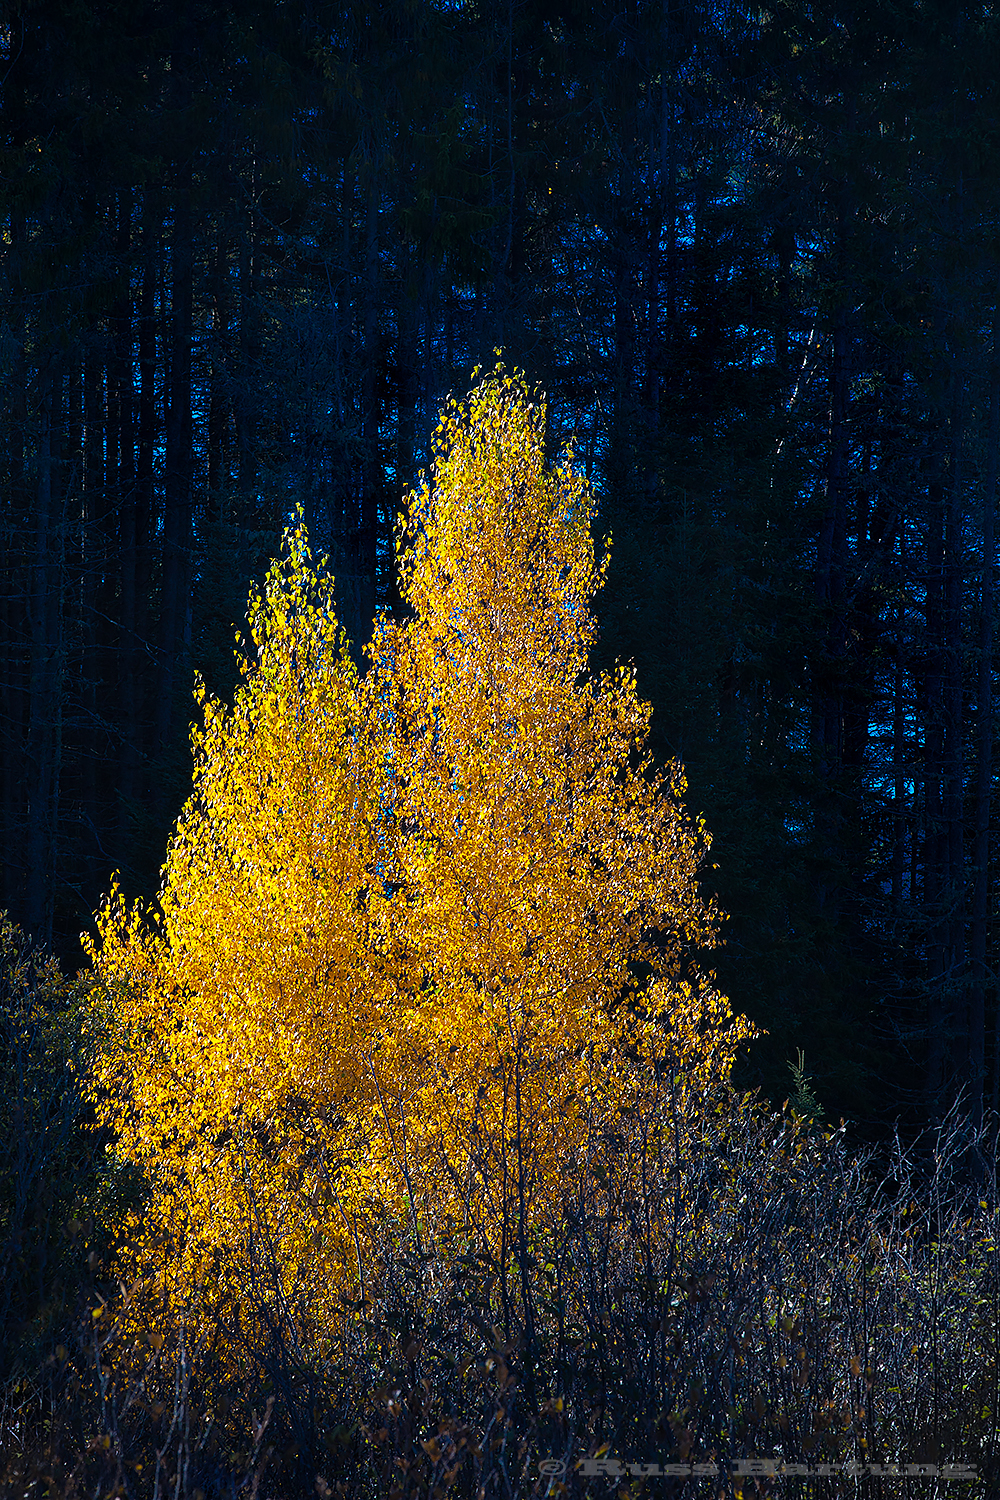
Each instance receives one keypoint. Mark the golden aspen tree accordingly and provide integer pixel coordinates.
(416, 926)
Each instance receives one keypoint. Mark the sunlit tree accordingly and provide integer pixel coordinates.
(419, 927)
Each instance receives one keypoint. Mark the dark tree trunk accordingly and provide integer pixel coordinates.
(128, 537)
(139, 645)
(15, 562)
(45, 687)
(372, 478)
(407, 387)
(93, 562)
(177, 518)
(936, 846)
(956, 991)
(831, 587)
(219, 409)
(979, 930)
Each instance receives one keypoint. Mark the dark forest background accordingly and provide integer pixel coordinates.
(750, 252)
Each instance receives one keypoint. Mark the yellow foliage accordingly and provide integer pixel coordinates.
(418, 928)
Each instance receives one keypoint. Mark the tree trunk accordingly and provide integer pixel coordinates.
(16, 618)
(372, 479)
(831, 588)
(139, 644)
(956, 986)
(93, 561)
(45, 689)
(936, 846)
(128, 502)
(979, 928)
(177, 519)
